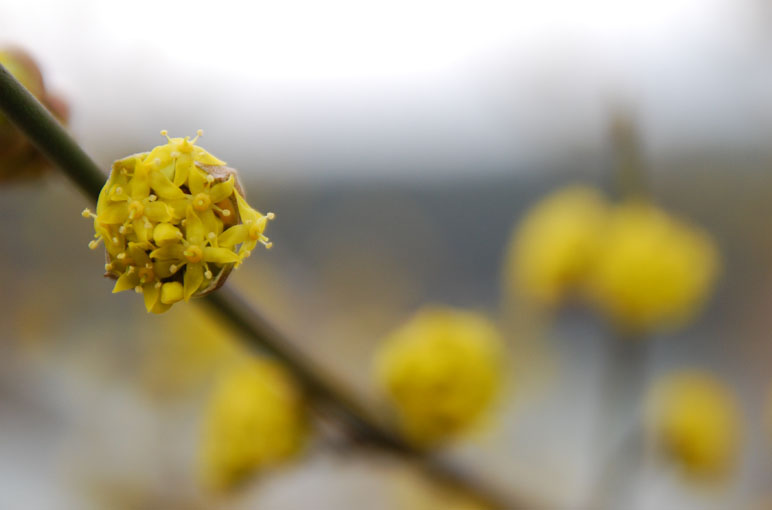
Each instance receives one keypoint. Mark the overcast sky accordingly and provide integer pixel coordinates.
(307, 88)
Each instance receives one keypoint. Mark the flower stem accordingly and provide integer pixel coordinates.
(45, 132)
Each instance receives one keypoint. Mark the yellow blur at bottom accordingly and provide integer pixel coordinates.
(255, 419)
(695, 419)
(441, 371)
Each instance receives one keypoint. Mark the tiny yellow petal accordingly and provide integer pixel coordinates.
(222, 190)
(125, 282)
(171, 292)
(220, 255)
(114, 214)
(168, 252)
(165, 234)
(164, 187)
(158, 211)
(182, 171)
(203, 157)
(233, 236)
(197, 181)
(194, 227)
(151, 294)
(194, 277)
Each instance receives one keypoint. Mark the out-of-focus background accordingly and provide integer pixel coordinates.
(399, 144)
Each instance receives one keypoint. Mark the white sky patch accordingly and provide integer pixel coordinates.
(385, 87)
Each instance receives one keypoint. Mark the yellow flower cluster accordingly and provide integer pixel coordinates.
(255, 419)
(555, 244)
(174, 223)
(641, 266)
(695, 419)
(652, 269)
(440, 370)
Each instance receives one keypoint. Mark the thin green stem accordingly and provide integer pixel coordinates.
(45, 132)
(628, 174)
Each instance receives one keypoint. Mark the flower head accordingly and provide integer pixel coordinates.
(255, 419)
(653, 270)
(440, 370)
(555, 245)
(694, 418)
(160, 216)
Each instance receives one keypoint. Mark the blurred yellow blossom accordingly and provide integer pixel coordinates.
(19, 159)
(693, 416)
(185, 351)
(653, 270)
(255, 419)
(555, 244)
(171, 220)
(440, 370)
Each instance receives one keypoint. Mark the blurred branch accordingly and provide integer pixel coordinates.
(628, 175)
(45, 132)
(625, 351)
